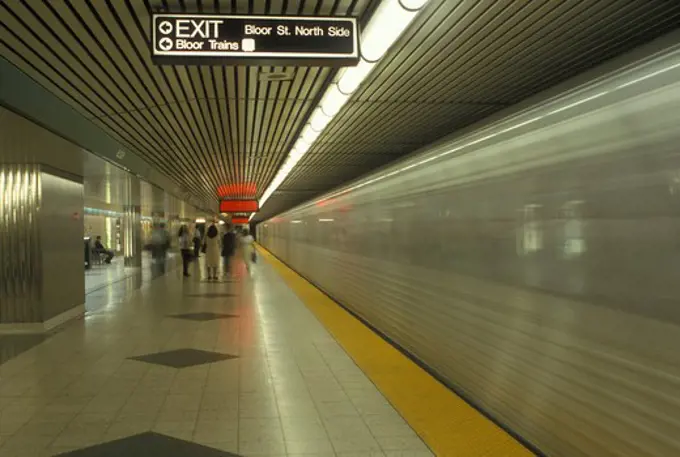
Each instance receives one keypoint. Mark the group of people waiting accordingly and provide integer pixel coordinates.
(215, 247)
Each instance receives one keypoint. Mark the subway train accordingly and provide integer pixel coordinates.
(530, 262)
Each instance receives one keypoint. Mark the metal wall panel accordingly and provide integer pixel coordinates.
(532, 263)
(20, 260)
(61, 245)
(22, 141)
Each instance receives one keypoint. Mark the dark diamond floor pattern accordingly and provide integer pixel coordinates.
(148, 445)
(183, 358)
(203, 316)
(210, 295)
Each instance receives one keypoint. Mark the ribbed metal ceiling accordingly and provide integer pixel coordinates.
(461, 62)
(209, 127)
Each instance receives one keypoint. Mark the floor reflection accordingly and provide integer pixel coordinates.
(105, 285)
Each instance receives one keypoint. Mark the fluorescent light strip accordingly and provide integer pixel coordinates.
(388, 23)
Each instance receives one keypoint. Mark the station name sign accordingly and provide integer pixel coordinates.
(186, 39)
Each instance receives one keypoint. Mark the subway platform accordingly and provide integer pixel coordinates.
(259, 364)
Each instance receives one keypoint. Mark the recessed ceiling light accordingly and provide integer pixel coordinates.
(276, 76)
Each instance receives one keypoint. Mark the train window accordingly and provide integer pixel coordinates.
(574, 242)
(529, 231)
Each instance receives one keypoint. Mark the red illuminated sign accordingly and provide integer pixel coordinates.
(238, 206)
(237, 190)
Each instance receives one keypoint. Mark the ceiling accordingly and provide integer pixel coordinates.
(460, 62)
(204, 127)
(210, 127)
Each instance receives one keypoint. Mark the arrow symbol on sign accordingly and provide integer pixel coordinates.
(165, 27)
(165, 44)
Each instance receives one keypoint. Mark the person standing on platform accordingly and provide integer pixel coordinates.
(185, 246)
(248, 248)
(160, 243)
(212, 252)
(228, 247)
(197, 242)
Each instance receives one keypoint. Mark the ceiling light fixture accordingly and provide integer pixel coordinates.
(388, 23)
(276, 76)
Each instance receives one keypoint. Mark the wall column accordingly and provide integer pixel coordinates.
(42, 277)
(132, 224)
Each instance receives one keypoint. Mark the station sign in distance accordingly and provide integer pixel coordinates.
(239, 206)
(200, 39)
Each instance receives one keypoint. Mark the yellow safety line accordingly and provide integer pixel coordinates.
(446, 423)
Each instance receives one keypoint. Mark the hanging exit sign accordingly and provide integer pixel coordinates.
(187, 39)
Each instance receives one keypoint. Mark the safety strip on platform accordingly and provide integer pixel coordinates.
(445, 422)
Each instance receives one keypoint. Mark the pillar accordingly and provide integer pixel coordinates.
(132, 224)
(42, 279)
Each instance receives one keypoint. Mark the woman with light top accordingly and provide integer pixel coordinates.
(248, 248)
(212, 252)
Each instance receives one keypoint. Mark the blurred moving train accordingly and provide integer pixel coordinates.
(532, 262)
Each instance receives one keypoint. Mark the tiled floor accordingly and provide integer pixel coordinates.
(13, 345)
(258, 375)
(105, 285)
(101, 276)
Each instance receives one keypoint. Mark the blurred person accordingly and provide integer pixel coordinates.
(197, 242)
(228, 247)
(160, 243)
(248, 249)
(99, 248)
(185, 245)
(212, 251)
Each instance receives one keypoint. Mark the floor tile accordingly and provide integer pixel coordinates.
(339, 427)
(227, 446)
(409, 454)
(361, 454)
(25, 443)
(388, 425)
(177, 429)
(261, 447)
(309, 446)
(233, 368)
(255, 429)
(355, 444)
(13, 345)
(211, 295)
(127, 428)
(336, 409)
(401, 443)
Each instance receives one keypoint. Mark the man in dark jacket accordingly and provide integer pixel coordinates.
(228, 247)
(99, 248)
